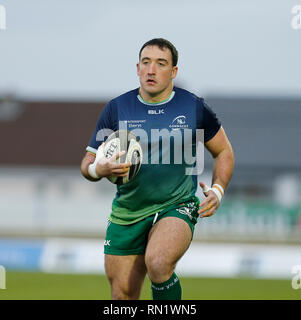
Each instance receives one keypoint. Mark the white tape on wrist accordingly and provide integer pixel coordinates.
(92, 170)
(217, 189)
(92, 166)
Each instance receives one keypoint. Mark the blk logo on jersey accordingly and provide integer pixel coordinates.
(160, 111)
(107, 242)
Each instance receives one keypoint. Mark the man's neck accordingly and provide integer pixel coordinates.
(156, 98)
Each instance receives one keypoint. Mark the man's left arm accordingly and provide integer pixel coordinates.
(221, 150)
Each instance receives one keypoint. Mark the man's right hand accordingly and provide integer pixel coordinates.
(106, 167)
(96, 166)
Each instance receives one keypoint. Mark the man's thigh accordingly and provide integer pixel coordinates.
(171, 235)
(168, 240)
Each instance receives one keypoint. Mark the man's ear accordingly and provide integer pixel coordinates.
(174, 72)
(138, 68)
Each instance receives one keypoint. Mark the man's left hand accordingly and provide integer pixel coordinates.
(210, 204)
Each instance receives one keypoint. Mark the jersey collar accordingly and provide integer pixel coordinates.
(154, 104)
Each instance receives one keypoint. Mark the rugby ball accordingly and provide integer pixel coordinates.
(127, 141)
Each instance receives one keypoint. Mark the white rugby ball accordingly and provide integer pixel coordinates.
(127, 141)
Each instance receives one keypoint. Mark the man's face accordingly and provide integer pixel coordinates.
(155, 70)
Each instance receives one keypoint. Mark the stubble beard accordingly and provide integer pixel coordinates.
(153, 94)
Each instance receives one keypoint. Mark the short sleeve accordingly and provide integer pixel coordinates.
(207, 120)
(106, 124)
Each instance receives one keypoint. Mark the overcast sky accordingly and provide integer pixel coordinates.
(89, 48)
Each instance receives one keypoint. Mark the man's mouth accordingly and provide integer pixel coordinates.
(150, 81)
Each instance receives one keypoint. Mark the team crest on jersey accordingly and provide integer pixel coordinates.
(179, 123)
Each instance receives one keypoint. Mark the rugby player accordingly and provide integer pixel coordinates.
(153, 216)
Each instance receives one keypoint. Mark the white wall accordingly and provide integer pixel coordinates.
(60, 202)
(201, 259)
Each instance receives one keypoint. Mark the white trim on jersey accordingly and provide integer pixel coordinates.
(90, 149)
(156, 104)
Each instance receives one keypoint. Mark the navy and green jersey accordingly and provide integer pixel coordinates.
(166, 131)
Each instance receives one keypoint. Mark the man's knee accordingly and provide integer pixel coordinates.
(158, 267)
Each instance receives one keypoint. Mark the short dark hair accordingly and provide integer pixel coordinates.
(162, 43)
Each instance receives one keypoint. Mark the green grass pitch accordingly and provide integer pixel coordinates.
(44, 286)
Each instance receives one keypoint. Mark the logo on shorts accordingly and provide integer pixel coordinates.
(107, 242)
(188, 209)
(185, 211)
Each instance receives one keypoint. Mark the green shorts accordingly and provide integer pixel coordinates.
(132, 238)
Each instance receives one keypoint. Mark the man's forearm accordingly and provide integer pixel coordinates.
(87, 160)
(223, 168)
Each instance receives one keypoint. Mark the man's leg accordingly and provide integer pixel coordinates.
(168, 240)
(126, 275)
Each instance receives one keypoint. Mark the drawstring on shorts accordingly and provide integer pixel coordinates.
(155, 218)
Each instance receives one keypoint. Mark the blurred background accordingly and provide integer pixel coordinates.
(62, 61)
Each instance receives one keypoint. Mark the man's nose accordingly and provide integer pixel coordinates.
(152, 68)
